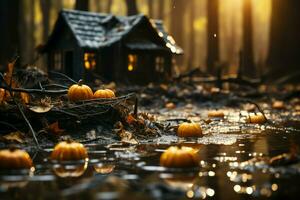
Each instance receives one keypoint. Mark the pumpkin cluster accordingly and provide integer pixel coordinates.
(14, 159)
(81, 92)
(180, 157)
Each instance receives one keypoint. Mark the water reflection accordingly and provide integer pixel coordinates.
(121, 171)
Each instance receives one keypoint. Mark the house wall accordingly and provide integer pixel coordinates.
(63, 42)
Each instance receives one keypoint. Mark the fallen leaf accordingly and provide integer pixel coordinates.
(16, 136)
(54, 129)
(126, 136)
(130, 119)
(40, 108)
(25, 97)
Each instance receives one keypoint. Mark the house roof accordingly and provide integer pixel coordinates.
(95, 30)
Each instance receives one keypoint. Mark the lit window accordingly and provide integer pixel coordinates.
(57, 61)
(159, 64)
(132, 62)
(89, 61)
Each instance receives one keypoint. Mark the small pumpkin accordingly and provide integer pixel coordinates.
(189, 130)
(79, 92)
(69, 151)
(104, 94)
(14, 159)
(180, 157)
(279, 105)
(64, 171)
(256, 118)
(215, 114)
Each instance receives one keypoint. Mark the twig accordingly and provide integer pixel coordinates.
(136, 104)
(23, 115)
(36, 91)
(63, 75)
(9, 125)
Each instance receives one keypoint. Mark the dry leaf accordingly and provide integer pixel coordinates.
(41, 108)
(54, 129)
(130, 119)
(25, 97)
(126, 136)
(16, 136)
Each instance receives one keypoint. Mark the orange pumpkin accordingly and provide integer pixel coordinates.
(68, 151)
(189, 130)
(179, 157)
(14, 159)
(216, 114)
(104, 94)
(256, 118)
(79, 92)
(279, 105)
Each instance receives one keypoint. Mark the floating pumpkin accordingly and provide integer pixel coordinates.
(256, 118)
(69, 151)
(64, 171)
(14, 159)
(215, 114)
(189, 130)
(104, 94)
(79, 92)
(178, 157)
(278, 105)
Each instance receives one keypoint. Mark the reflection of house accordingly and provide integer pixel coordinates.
(132, 48)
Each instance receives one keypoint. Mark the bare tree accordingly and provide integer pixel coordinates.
(82, 5)
(131, 7)
(192, 33)
(151, 8)
(161, 9)
(248, 62)
(108, 6)
(284, 42)
(45, 6)
(9, 34)
(212, 35)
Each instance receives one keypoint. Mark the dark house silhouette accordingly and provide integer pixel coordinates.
(134, 48)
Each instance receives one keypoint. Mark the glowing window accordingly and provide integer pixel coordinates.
(132, 62)
(89, 61)
(57, 61)
(159, 64)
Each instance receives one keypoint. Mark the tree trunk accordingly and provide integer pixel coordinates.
(131, 7)
(82, 5)
(177, 24)
(284, 42)
(161, 10)
(45, 6)
(108, 6)
(9, 34)
(150, 7)
(192, 34)
(212, 35)
(248, 68)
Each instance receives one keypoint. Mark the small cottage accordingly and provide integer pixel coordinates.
(134, 49)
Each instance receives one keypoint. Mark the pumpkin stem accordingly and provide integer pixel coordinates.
(80, 82)
(12, 148)
(69, 140)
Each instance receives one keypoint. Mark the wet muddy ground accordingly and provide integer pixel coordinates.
(234, 163)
